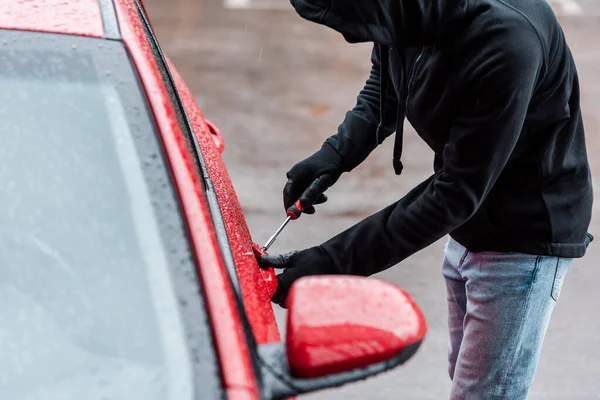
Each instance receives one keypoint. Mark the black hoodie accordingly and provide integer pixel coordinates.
(491, 87)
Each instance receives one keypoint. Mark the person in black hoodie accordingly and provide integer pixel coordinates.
(492, 88)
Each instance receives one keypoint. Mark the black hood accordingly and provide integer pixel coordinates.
(386, 22)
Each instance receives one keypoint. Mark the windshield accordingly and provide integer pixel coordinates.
(94, 262)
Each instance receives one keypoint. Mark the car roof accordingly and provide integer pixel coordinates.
(77, 17)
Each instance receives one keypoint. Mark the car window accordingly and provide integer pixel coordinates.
(97, 283)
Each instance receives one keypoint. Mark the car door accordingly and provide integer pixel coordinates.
(255, 284)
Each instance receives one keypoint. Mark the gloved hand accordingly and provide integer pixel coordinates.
(295, 265)
(324, 163)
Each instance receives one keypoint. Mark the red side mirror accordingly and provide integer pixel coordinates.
(340, 323)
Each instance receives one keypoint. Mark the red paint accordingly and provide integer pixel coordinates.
(268, 274)
(216, 135)
(240, 394)
(236, 366)
(77, 17)
(365, 321)
(256, 290)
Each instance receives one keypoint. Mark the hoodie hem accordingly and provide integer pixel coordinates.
(556, 249)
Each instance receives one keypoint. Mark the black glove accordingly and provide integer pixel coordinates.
(326, 161)
(296, 264)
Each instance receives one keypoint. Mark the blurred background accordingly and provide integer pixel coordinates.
(277, 86)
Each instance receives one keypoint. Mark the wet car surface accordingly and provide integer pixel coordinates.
(277, 86)
(128, 268)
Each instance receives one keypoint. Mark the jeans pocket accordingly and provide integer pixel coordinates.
(562, 267)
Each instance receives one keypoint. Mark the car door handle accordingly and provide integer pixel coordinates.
(269, 276)
(216, 135)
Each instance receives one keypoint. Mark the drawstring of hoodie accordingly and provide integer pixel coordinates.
(384, 58)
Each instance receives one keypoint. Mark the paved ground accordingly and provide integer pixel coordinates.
(277, 86)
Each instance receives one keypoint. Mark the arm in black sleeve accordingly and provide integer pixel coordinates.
(356, 136)
(501, 80)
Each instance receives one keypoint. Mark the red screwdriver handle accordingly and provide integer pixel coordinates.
(295, 210)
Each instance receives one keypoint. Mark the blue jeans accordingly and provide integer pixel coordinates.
(499, 307)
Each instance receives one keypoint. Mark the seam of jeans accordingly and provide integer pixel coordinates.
(535, 271)
(554, 280)
(516, 338)
(463, 258)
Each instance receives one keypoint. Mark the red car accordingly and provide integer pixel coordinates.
(127, 270)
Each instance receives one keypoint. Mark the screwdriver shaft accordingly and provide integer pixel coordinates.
(272, 239)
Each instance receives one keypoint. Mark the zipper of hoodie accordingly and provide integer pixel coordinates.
(409, 82)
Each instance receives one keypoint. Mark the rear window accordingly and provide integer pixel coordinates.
(99, 295)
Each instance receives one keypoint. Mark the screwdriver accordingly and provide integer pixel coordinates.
(308, 198)
(277, 232)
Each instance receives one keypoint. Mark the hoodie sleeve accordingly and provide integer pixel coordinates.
(356, 136)
(501, 81)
